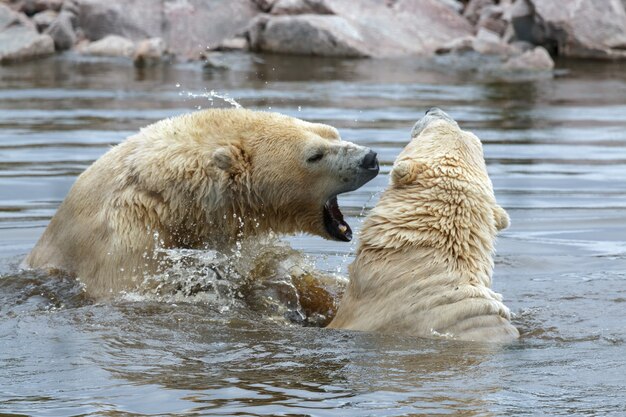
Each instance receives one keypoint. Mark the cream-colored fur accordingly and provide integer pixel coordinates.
(425, 255)
(200, 180)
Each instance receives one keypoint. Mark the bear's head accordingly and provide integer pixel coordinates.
(443, 169)
(291, 171)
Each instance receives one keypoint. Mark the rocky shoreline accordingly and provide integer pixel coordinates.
(513, 35)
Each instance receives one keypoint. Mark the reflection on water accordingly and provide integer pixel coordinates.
(556, 152)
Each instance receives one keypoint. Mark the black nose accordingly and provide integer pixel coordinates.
(370, 161)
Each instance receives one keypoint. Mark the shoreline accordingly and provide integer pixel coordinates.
(498, 36)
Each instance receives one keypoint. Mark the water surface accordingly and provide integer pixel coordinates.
(556, 152)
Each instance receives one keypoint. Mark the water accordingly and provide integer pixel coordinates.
(556, 152)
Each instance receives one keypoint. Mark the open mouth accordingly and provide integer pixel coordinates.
(334, 223)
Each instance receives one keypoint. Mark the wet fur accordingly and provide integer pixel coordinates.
(201, 180)
(425, 257)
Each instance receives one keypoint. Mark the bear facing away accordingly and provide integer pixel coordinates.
(201, 180)
(425, 257)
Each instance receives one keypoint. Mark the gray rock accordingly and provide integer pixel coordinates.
(44, 19)
(194, 26)
(489, 43)
(368, 28)
(311, 35)
(62, 31)
(111, 46)
(290, 7)
(474, 9)
(582, 28)
(493, 18)
(537, 59)
(458, 45)
(523, 20)
(30, 7)
(238, 43)
(21, 43)
(8, 17)
(455, 5)
(522, 46)
(188, 27)
(264, 5)
(133, 19)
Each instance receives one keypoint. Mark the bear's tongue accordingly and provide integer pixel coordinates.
(334, 223)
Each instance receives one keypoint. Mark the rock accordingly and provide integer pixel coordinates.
(291, 7)
(31, 7)
(7, 17)
(582, 28)
(493, 19)
(537, 59)
(44, 19)
(264, 5)
(455, 5)
(238, 43)
(62, 32)
(474, 8)
(367, 28)
(149, 52)
(71, 6)
(136, 19)
(311, 35)
(489, 43)
(523, 20)
(112, 46)
(19, 40)
(195, 26)
(521, 46)
(19, 43)
(458, 45)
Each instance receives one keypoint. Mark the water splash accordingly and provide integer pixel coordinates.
(210, 96)
(260, 274)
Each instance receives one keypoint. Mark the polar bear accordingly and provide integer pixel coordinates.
(425, 256)
(200, 180)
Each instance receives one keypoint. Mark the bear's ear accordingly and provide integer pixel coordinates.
(406, 172)
(230, 158)
(501, 217)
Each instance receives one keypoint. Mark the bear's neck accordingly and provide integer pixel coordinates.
(448, 228)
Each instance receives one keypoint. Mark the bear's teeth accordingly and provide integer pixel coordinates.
(343, 228)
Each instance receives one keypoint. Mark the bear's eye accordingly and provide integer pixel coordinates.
(316, 157)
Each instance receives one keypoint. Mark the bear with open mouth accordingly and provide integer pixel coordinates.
(202, 180)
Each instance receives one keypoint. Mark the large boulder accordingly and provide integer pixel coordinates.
(323, 35)
(20, 41)
(369, 28)
(194, 26)
(537, 59)
(133, 19)
(188, 27)
(582, 28)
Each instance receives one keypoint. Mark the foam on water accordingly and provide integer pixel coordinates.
(262, 275)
